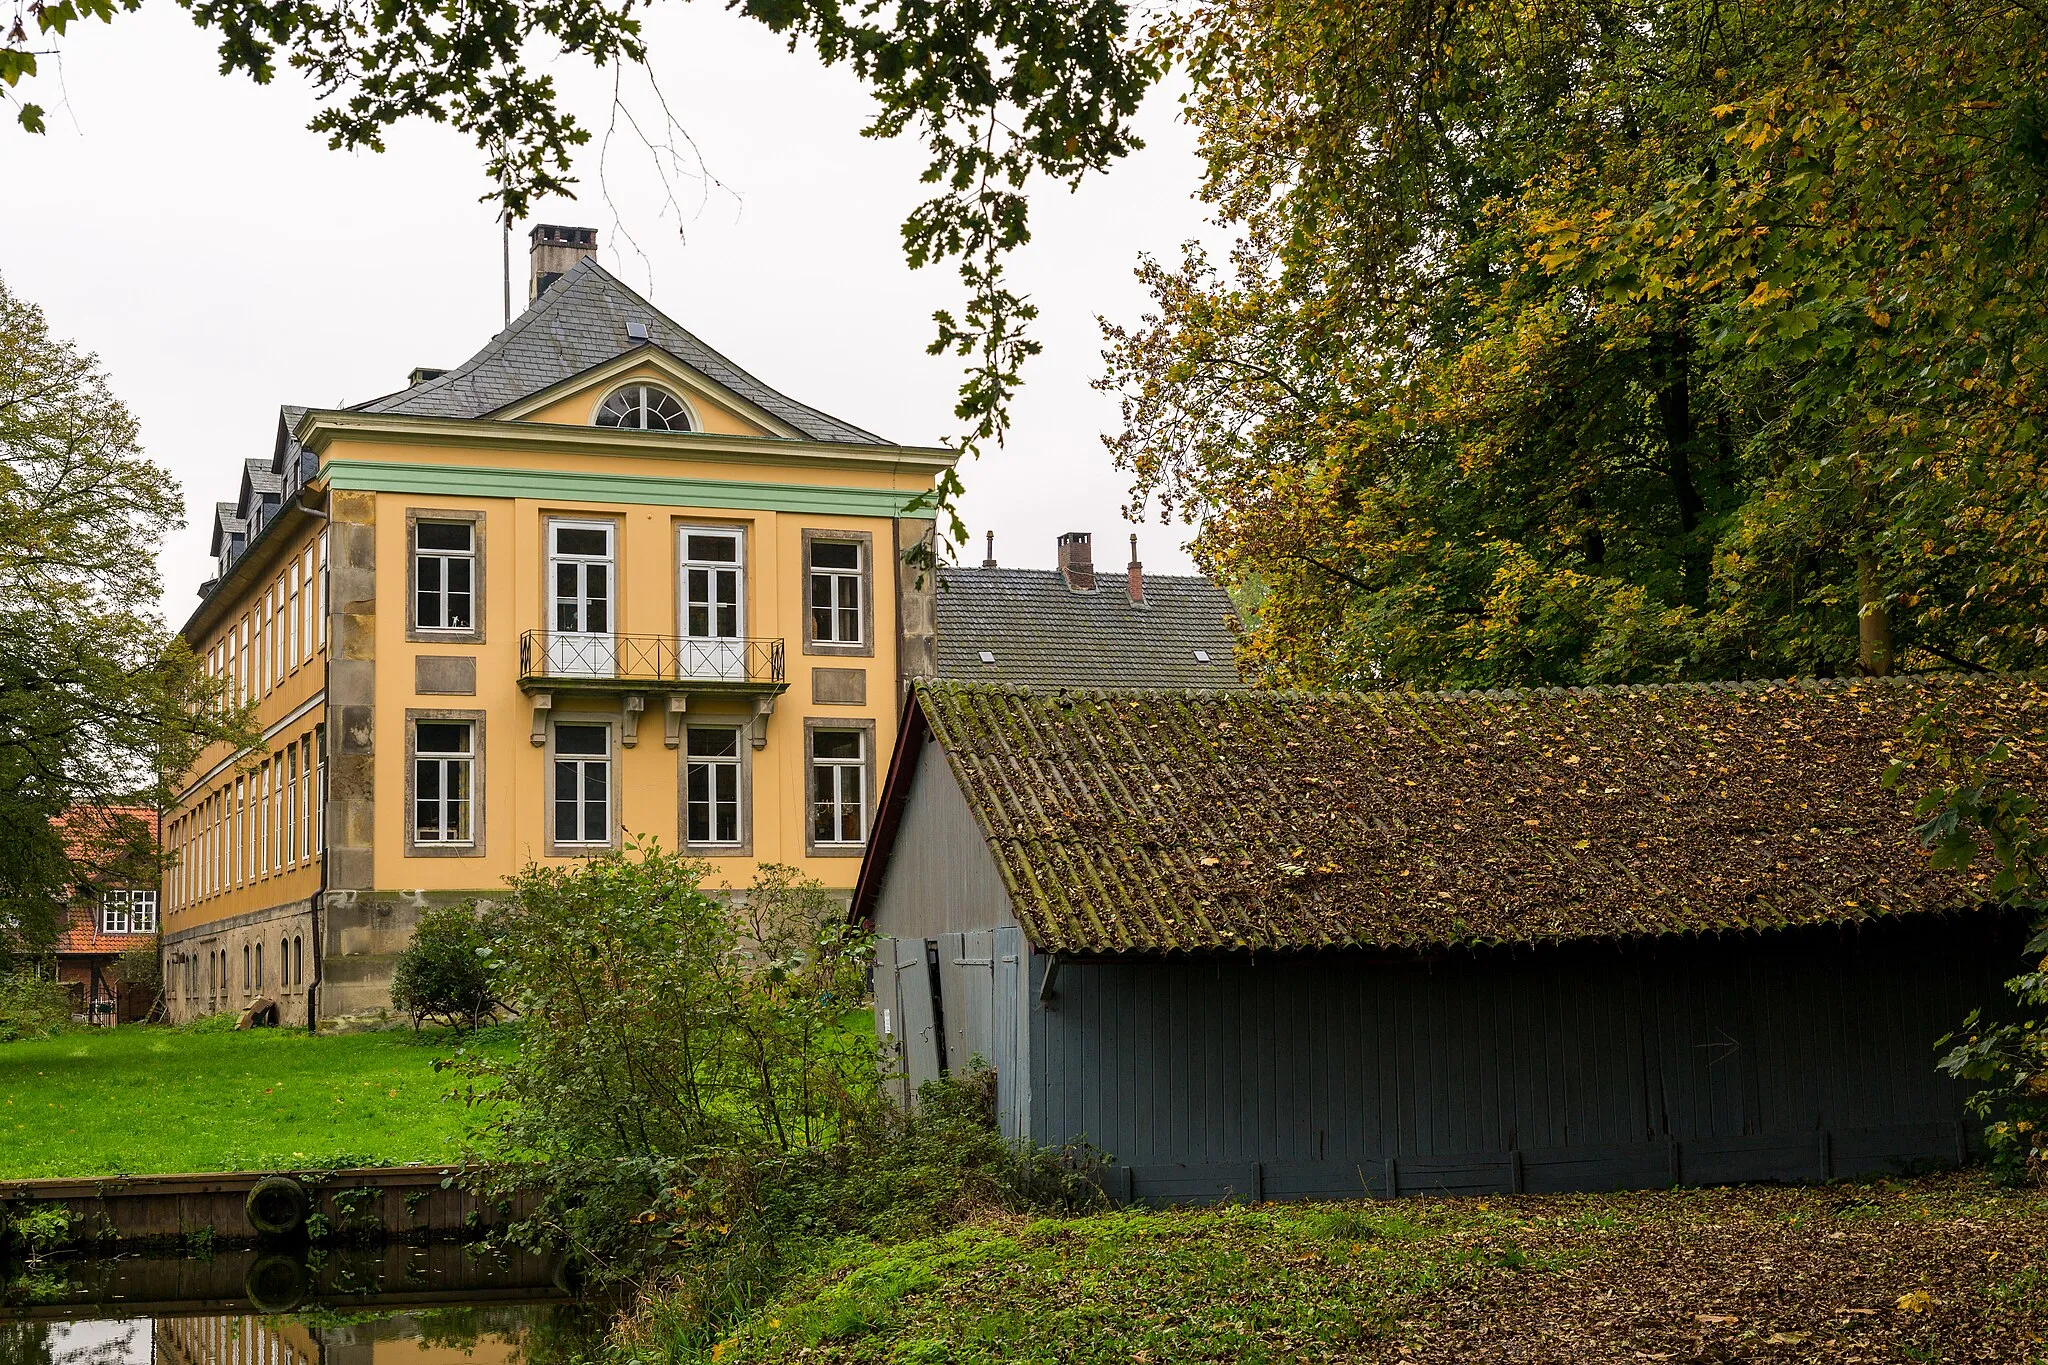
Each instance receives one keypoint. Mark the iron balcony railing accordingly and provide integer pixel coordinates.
(561, 656)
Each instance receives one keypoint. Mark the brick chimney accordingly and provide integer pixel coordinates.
(1077, 561)
(555, 249)
(1134, 575)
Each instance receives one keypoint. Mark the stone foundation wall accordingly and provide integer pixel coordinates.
(362, 934)
(214, 968)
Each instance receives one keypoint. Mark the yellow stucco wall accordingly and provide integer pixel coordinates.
(515, 787)
(513, 476)
(287, 706)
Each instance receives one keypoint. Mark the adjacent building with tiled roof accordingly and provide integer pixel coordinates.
(1076, 627)
(115, 914)
(1262, 943)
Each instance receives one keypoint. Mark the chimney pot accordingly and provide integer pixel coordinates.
(1077, 561)
(555, 249)
(1134, 575)
(990, 561)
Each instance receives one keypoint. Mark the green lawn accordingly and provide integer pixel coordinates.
(138, 1100)
(1940, 1268)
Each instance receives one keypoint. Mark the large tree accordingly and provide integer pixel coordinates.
(100, 706)
(1599, 340)
(1000, 91)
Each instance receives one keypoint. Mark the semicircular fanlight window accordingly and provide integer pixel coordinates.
(643, 407)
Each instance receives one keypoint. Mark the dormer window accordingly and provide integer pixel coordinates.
(643, 407)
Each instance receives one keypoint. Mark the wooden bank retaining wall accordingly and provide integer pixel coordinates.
(362, 1203)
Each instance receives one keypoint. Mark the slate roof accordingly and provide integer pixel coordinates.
(1252, 820)
(1042, 634)
(227, 521)
(578, 323)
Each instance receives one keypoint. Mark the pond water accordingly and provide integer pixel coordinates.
(394, 1305)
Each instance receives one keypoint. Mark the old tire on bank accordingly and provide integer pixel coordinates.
(278, 1205)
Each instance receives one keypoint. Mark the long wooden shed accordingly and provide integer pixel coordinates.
(1275, 945)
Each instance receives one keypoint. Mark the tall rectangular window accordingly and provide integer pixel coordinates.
(583, 784)
(838, 786)
(291, 804)
(241, 830)
(259, 645)
(263, 820)
(294, 615)
(444, 575)
(712, 783)
(322, 571)
(444, 759)
(835, 592)
(319, 788)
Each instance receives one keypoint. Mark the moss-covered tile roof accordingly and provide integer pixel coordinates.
(1157, 821)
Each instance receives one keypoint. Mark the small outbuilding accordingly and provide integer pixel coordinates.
(1275, 945)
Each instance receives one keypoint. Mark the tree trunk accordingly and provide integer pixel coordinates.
(1873, 621)
(1674, 408)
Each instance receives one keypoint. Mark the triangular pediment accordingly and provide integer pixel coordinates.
(713, 407)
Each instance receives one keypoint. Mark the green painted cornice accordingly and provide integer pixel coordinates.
(571, 485)
(320, 429)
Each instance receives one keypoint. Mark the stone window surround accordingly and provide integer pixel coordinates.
(475, 847)
(474, 635)
(743, 727)
(866, 648)
(812, 848)
(611, 720)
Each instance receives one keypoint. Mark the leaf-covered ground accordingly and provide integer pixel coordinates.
(1943, 1268)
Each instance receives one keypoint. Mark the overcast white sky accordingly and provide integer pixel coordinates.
(221, 260)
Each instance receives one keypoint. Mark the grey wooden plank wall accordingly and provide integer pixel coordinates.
(1784, 1055)
(982, 1005)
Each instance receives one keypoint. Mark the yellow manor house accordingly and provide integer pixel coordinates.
(597, 582)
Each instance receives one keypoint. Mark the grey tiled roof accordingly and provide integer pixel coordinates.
(1043, 635)
(578, 323)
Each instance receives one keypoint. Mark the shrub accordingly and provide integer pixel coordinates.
(449, 972)
(31, 1007)
(141, 968)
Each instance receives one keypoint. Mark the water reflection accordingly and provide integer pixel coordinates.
(398, 1305)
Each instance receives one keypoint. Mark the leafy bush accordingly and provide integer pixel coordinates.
(31, 1007)
(1966, 806)
(449, 971)
(664, 1022)
(141, 968)
(702, 1094)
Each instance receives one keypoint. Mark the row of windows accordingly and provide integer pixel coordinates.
(130, 911)
(582, 796)
(286, 971)
(447, 574)
(262, 823)
(279, 634)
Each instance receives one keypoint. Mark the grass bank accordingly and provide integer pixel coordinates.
(146, 1100)
(1944, 1268)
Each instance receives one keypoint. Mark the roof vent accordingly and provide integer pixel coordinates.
(989, 560)
(987, 657)
(555, 251)
(421, 374)
(1201, 656)
(636, 331)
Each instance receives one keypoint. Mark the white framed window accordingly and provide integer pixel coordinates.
(128, 911)
(291, 804)
(583, 786)
(644, 407)
(444, 575)
(444, 768)
(835, 592)
(838, 787)
(712, 786)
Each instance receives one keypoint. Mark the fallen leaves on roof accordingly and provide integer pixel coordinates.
(1264, 820)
